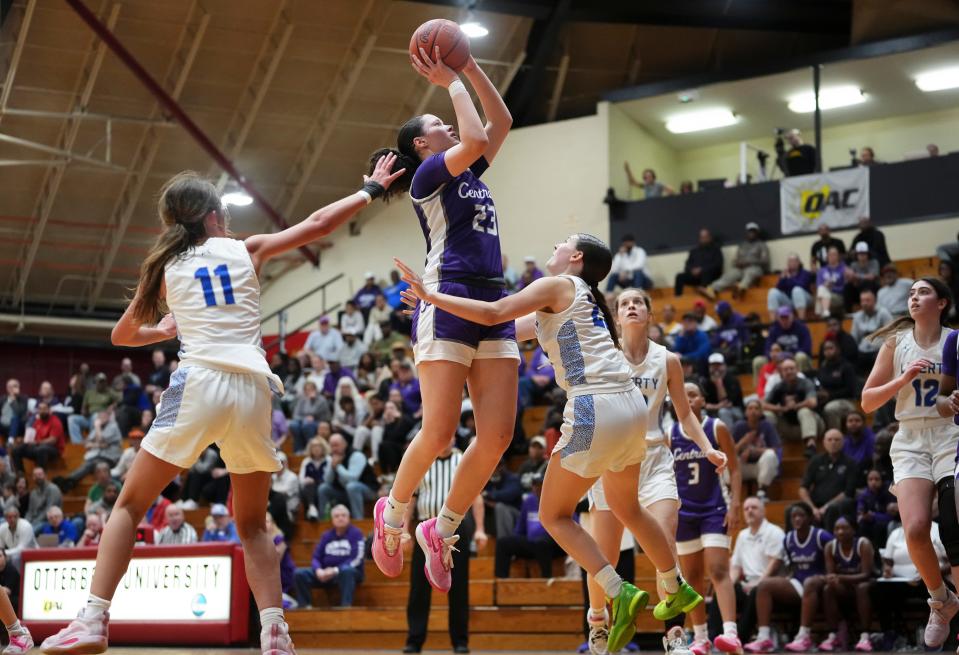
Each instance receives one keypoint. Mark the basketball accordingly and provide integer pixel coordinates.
(453, 44)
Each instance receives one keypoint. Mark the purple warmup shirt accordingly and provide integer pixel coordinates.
(807, 557)
(339, 551)
(459, 221)
(528, 524)
(287, 566)
(412, 400)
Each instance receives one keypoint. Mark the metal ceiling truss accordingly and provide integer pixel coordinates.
(13, 64)
(267, 61)
(181, 63)
(93, 62)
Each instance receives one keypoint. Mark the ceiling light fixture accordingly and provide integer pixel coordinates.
(938, 80)
(830, 98)
(697, 121)
(237, 198)
(474, 30)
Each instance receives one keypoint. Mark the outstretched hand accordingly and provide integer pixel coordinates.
(417, 290)
(717, 458)
(383, 173)
(434, 69)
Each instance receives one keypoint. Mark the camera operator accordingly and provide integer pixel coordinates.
(800, 159)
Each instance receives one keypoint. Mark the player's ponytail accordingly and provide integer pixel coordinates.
(906, 322)
(597, 262)
(406, 157)
(185, 201)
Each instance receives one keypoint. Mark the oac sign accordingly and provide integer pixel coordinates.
(837, 199)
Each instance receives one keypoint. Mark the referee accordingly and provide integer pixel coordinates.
(431, 494)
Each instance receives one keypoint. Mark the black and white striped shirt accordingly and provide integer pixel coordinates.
(436, 486)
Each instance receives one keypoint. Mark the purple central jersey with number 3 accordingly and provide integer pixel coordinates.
(700, 488)
(458, 219)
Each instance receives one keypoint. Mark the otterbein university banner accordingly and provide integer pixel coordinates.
(838, 199)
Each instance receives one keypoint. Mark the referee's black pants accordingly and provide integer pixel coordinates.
(418, 605)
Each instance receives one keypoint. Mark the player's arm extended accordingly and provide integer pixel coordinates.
(498, 118)
(132, 333)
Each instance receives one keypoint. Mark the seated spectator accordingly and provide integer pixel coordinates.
(948, 252)
(537, 378)
(65, 530)
(366, 372)
(703, 266)
(686, 187)
(177, 531)
(793, 335)
(349, 413)
(287, 565)
(529, 539)
(758, 555)
(530, 273)
(769, 372)
(104, 506)
(366, 296)
(337, 561)
(792, 289)
(758, 447)
(874, 240)
(220, 526)
(819, 253)
(348, 479)
(503, 496)
(43, 497)
(849, 566)
(867, 157)
(628, 267)
(383, 347)
(651, 188)
(351, 320)
(312, 469)
(749, 265)
(120, 471)
(13, 411)
(49, 441)
(370, 430)
(380, 313)
(409, 388)
(159, 378)
(20, 497)
(706, 322)
(670, 326)
(311, 408)
(353, 348)
(509, 274)
(864, 322)
(206, 480)
(830, 284)
(331, 379)
(722, 391)
(393, 291)
(535, 463)
(805, 554)
(872, 508)
(96, 400)
(156, 513)
(16, 535)
(692, 343)
(10, 585)
(829, 483)
(894, 292)
(859, 443)
(101, 477)
(7, 477)
(287, 485)
(324, 342)
(92, 531)
(790, 406)
(838, 386)
(861, 273)
(730, 333)
(396, 429)
(848, 348)
(103, 444)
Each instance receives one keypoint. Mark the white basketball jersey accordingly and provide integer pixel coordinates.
(580, 348)
(650, 378)
(917, 400)
(214, 295)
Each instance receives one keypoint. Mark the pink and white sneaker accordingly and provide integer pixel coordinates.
(439, 554)
(700, 647)
(760, 646)
(832, 643)
(275, 640)
(864, 645)
(387, 552)
(940, 615)
(82, 637)
(20, 643)
(800, 644)
(729, 644)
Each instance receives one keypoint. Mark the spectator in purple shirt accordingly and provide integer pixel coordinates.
(536, 379)
(530, 274)
(337, 560)
(859, 442)
(793, 337)
(530, 539)
(334, 373)
(409, 388)
(366, 296)
(730, 334)
(830, 283)
(872, 508)
(792, 289)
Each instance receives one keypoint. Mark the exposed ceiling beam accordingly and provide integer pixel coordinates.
(173, 108)
(181, 63)
(60, 152)
(54, 176)
(88, 116)
(541, 45)
(248, 107)
(554, 99)
(15, 56)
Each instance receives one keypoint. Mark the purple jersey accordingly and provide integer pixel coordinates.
(950, 359)
(458, 219)
(846, 563)
(807, 557)
(700, 488)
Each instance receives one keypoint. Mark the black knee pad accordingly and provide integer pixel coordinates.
(948, 519)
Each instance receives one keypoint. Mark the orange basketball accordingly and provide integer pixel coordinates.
(453, 44)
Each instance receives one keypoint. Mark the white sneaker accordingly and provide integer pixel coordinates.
(940, 614)
(598, 633)
(312, 514)
(82, 637)
(275, 640)
(20, 643)
(189, 505)
(674, 643)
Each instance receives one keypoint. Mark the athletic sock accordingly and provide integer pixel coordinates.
(940, 594)
(764, 633)
(730, 629)
(864, 636)
(669, 580)
(15, 628)
(596, 617)
(803, 632)
(700, 633)
(95, 607)
(394, 512)
(610, 581)
(271, 616)
(447, 521)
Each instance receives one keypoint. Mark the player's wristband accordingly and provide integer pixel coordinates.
(371, 191)
(457, 87)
